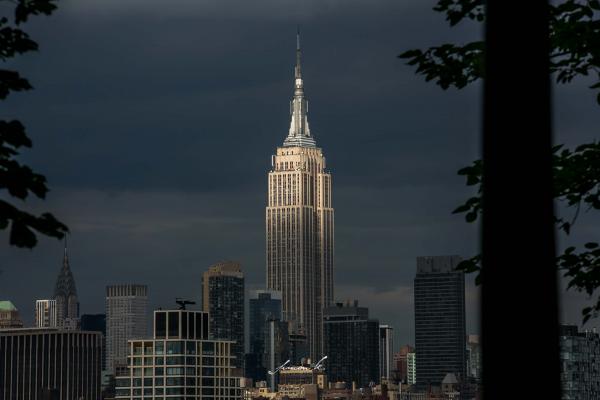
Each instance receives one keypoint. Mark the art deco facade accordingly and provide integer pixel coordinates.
(65, 294)
(299, 225)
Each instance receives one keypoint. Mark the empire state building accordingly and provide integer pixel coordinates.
(299, 225)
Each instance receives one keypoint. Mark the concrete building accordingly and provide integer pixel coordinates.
(126, 318)
(439, 320)
(473, 357)
(386, 352)
(36, 362)
(299, 224)
(65, 294)
(411, 368)
(45, 314)
(401, 363)
(223, 300)
(579, 364)
(9, 315)
(351, 344)
(180, 361)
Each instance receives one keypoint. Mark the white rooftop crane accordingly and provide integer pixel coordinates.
(278, 368)
(319, 365)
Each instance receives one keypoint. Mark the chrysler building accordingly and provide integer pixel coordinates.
(299, 225)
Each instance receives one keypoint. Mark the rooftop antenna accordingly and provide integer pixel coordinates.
(182, 303)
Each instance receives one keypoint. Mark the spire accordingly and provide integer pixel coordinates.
(65, 283)
(298, 71)
(66, 256)
(299, 133)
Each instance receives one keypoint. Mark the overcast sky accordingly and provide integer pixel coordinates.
(155, 122)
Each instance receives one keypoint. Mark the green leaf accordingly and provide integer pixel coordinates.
(461, 209)
(471, 217)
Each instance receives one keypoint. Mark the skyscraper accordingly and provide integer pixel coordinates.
(299, 224)
(45, 314)
(265, 306)
(351, 344)
(439, 320)
(386, 351)
(65, 294)
(126, 318)
(223, 300)
(579, 357)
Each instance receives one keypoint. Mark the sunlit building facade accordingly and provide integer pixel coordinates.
(299, 225)
(45, 314)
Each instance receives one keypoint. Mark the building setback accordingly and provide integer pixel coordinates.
(223, 300)
(351, 344)
(439, 320)
(65, 362)
(181, 361)
(579, 364)
(299, 225)
(126, 318)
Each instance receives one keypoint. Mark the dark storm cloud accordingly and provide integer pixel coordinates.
(155, 125)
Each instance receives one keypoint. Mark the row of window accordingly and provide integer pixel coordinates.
(175, 381)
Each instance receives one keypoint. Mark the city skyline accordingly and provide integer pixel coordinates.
(124, 224)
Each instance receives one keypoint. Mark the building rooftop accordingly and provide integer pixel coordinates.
(7, 305)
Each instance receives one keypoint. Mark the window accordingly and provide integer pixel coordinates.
(173, 324)
(161, 325)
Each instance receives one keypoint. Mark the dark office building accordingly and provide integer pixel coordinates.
(351, 342)
(264, 307)
(579, 361)
(96, 323)
(298, 348)
(439, 320)
(37, 363)
(223, 299)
